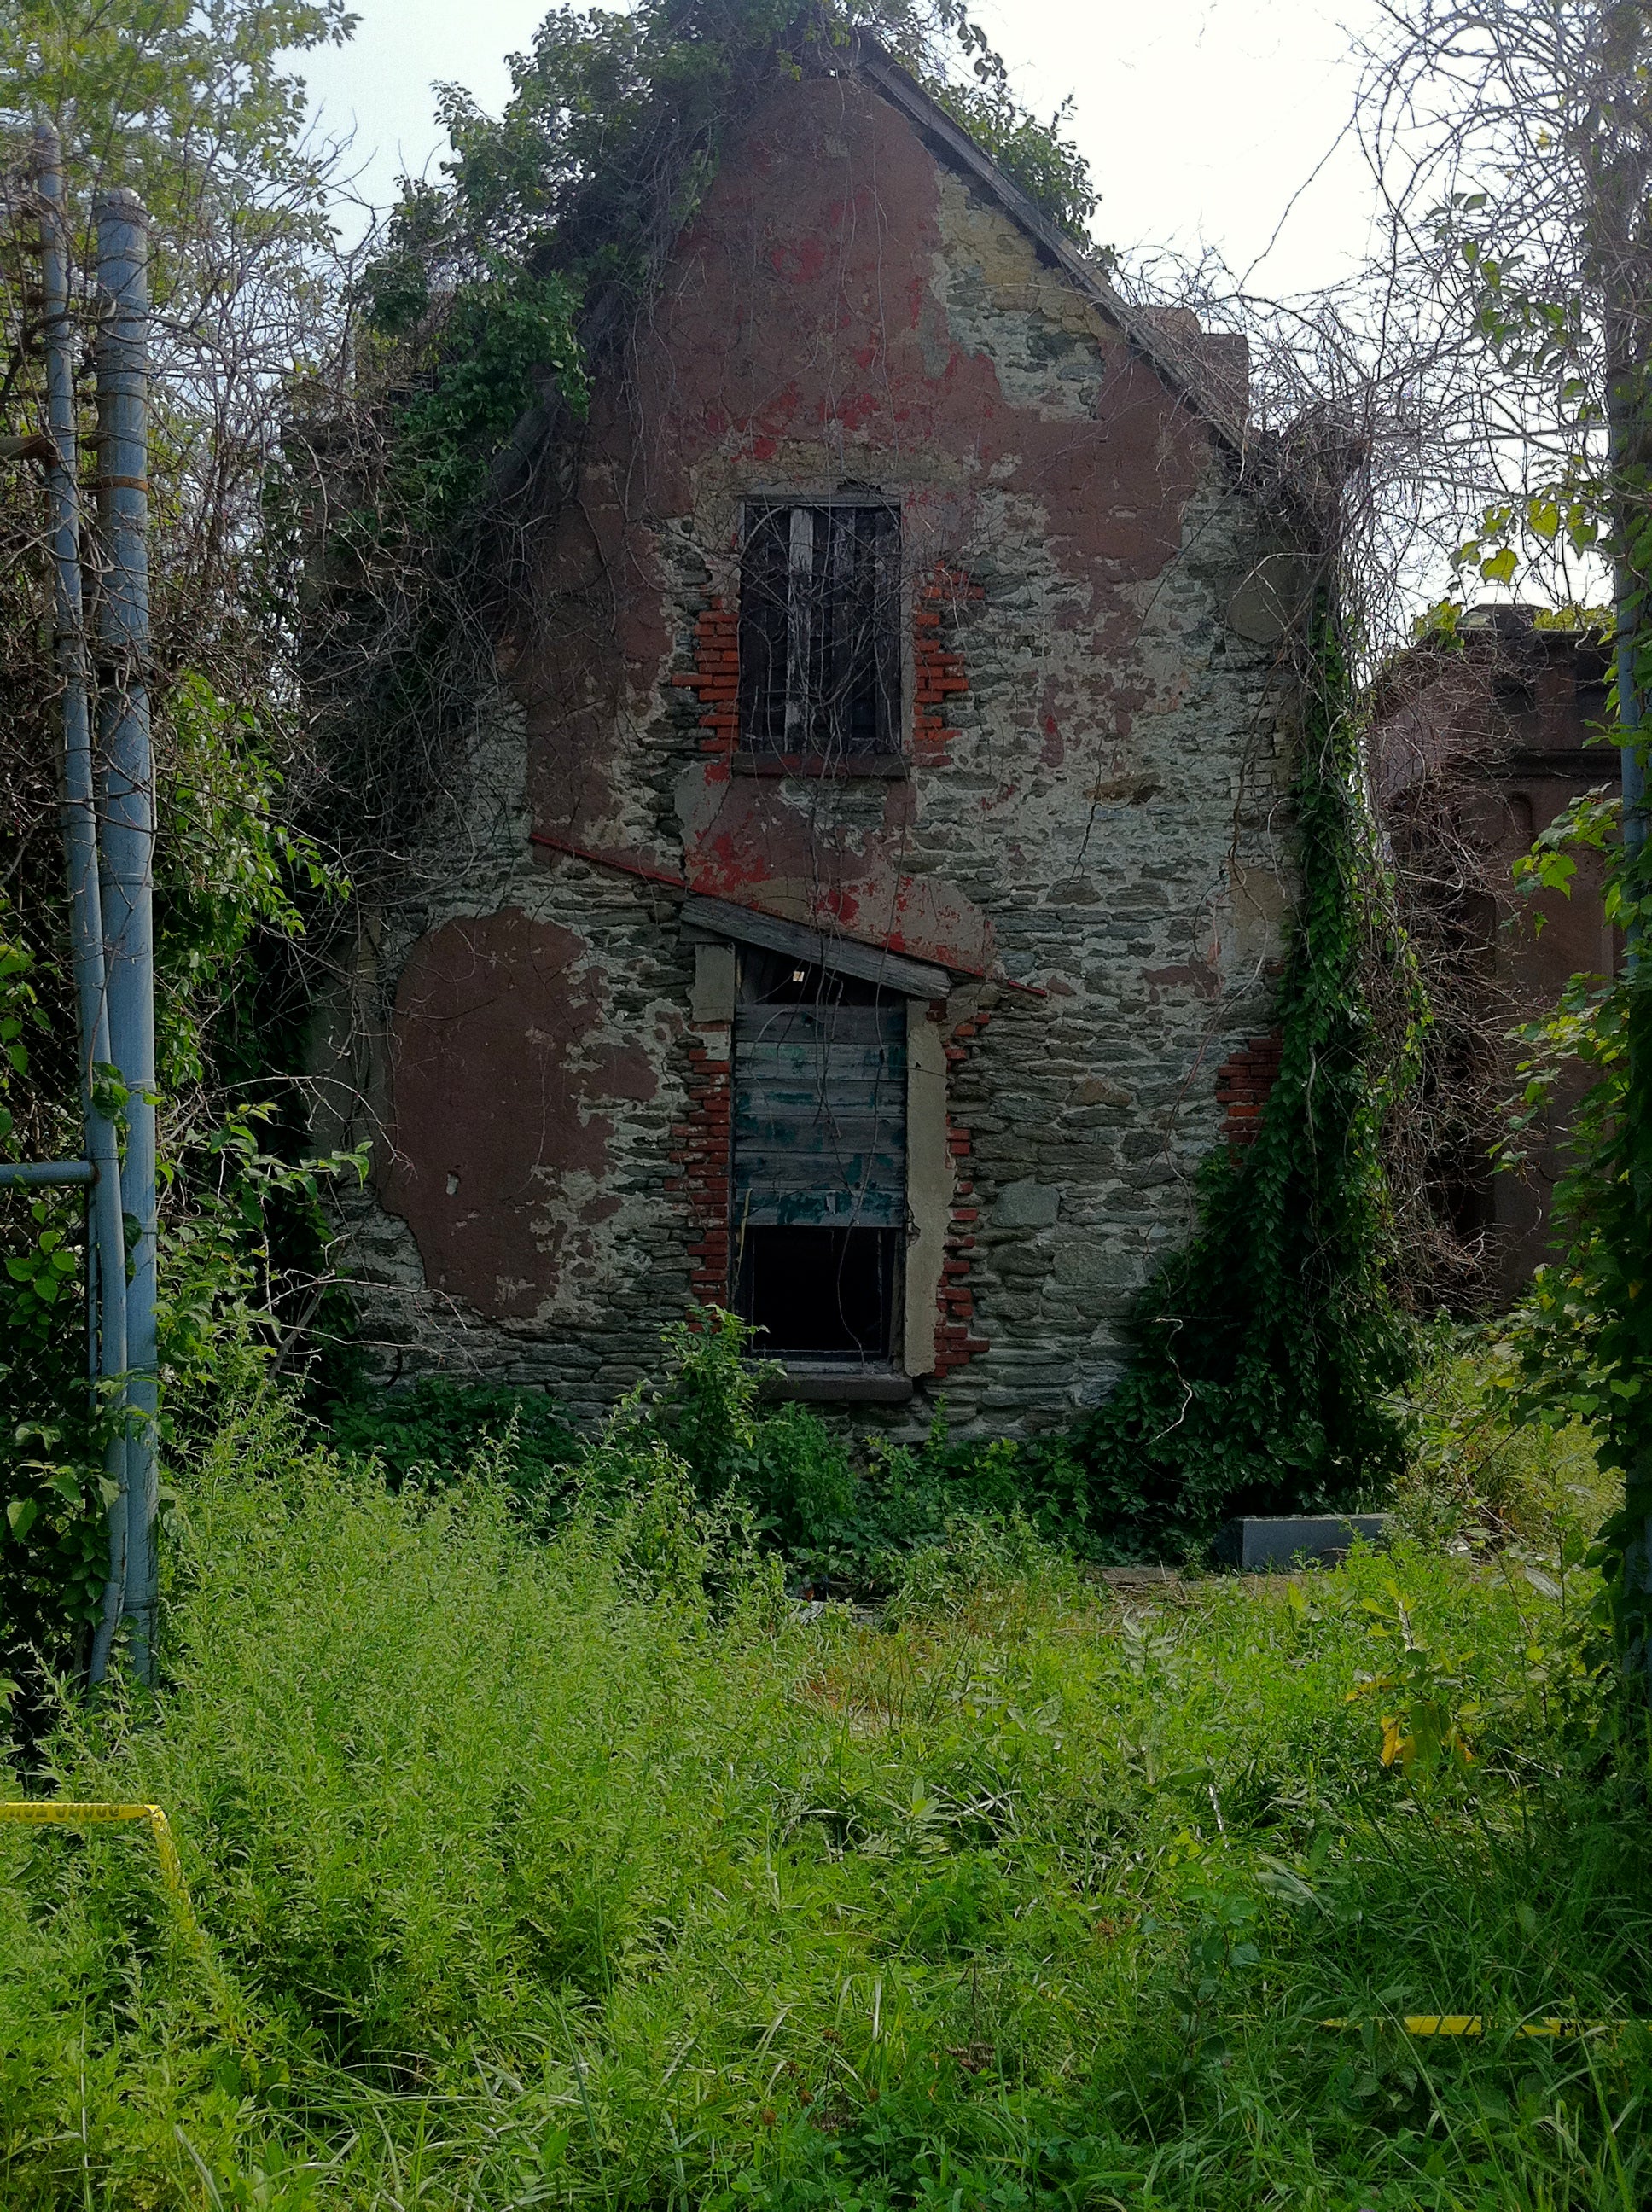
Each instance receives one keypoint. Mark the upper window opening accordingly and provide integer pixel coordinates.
(820, 633)
(774, 979)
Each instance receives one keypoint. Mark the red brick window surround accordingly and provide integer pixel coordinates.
(715, 677)
(1242, 1084)
(701, 1157)
(939, 681)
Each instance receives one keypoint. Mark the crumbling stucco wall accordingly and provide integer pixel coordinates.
(1093, 808)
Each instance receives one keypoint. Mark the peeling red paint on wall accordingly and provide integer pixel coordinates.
(802, 317)
(502, 1079)
(748, 841)
(781, 255)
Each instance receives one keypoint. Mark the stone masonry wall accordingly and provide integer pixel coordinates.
(1090, 833)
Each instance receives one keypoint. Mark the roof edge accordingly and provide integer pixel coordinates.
(874, 62)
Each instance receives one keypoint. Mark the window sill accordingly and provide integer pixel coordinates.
(803, 1382)
(887, 765)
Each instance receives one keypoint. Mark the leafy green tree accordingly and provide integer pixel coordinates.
(198, 107)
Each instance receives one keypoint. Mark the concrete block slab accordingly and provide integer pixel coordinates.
(1262, 1545)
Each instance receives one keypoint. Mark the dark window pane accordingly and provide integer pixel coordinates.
(820, 632)
(824, 1292)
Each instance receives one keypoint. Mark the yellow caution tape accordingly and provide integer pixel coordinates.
(1473, 2023)
(58, 1812)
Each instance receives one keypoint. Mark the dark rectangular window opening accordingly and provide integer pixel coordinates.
(820, 1293)
(818, 1132)
(820, 637)
(776, 979)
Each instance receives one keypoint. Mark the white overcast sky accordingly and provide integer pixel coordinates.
(1204, 120)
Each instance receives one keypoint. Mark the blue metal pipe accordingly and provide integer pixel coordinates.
(1633, 766)
(30, 1173)
(1624, 405)
(128, 838)
(106, 1270)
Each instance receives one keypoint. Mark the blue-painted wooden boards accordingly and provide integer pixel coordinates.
(820, 1115)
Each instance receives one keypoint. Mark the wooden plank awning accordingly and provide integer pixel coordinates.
(816, 948)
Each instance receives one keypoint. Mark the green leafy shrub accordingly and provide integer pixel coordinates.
(843, 1517)
(1585, 1334)
(1478, 1474)
(847, 1516)
(426, 1433)
(199, 111)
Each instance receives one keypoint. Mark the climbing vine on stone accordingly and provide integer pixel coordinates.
(1268, 1350)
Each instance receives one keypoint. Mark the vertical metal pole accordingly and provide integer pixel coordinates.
(1627, 430)
(1634, 786)
(1629, 620)
(129, 836)
(1632, 614)
(105, 1256)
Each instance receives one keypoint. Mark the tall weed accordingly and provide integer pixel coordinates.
(582, 1869)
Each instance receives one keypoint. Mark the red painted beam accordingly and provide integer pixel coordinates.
(650, 874)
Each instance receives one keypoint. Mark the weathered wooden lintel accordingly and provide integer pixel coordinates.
(911, 979)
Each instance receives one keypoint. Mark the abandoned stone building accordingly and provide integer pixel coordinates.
(1478, 743)
(868, 897)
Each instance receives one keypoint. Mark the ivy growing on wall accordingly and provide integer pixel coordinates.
(556, 217)
(1267, 1350)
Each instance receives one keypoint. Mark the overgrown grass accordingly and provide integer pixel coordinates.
(582, 1870)
(845, 1514)
(1478, 1478)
